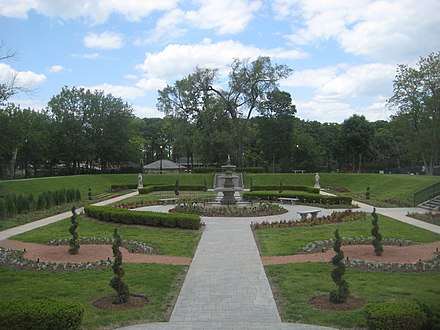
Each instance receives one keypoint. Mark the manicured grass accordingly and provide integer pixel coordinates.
(382, 186)
(286, 241)
(157, 282)
(297, 283)
(173, 242)
(155, 195)
(99, 183)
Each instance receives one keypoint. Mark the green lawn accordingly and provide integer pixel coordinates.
(158, 282)
(176, 242)
(285, 241)
(382, 186)
(99, 183)
(297, 283)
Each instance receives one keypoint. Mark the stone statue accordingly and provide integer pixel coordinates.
(317, 181)
(140, 182)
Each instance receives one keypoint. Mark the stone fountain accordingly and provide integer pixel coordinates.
(228, 184)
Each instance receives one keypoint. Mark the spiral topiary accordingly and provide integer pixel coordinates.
(377, 241)
(73, 242)
(176, 188)
(341, 294)
(116, 282)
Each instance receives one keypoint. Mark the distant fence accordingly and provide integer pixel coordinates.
(427, 193)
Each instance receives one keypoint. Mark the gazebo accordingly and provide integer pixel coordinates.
(163, 166)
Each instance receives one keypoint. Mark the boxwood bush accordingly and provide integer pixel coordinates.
(166, 187)
(156, 219)
(287, 187)
(119, 187)
(394, 315)
(303, 197)
(42, 313)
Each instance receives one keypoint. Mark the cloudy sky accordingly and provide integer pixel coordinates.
(344, 53)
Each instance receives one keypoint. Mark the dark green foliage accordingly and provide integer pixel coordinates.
(157, 219)
(280, 190)
(117, 282)
(2, 208)
(176, 188)
(73, 242)
(394, 315)
(11, 207)
(119, 187)
(432, 313)
(90, 193)
(78, 195)
(341, 294)
(377, 241)
(169, 187)
(367, 194)
(304, 197)
(285, 187)
(40, 314)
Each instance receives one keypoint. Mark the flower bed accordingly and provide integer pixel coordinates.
(304, 197)
(421, 266)
(335, 217)
(262, 209)
(429, 217)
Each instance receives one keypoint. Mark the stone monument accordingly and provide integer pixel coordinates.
(317, 185)
(140, 181)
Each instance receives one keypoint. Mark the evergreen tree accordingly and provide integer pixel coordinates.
(377, 241)
(117, 282)
(341, 294)
(176, 188)
(73, 242)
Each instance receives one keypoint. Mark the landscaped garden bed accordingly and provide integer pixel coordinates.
(430, 217)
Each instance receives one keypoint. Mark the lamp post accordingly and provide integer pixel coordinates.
(161, 152)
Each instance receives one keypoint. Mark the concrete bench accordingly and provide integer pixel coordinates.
(168, 200)
(286, 199)
(313, 214)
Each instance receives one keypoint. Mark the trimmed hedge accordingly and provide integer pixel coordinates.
(303, 197)
(119, 187)
(394, 315)
(167, 187)
(308, 189)
(156, 219)
(39, 314)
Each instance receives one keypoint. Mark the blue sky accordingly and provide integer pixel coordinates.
(344, 53)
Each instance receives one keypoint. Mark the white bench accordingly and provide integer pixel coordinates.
(168, 200)
(313, 214)
(286, 199)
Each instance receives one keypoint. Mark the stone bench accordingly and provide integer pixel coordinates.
(313, 214)
(168, 200)
(286, 199)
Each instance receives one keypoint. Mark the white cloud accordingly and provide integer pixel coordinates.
(226, 16)
(90, 56)
(104, 40)
(180, 60)
(56, 68)
(24, 79)
(147, 112)
(151, 84)
(96, 10)
(382, 30)
(122, 91)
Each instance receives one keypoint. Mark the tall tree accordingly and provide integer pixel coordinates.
(416, 95)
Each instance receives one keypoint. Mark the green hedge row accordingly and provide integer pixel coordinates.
(119, 187)
(213, 169)
(395, 315)
(303, 197)
(156, 219)
(39, 314)
(166, 187)
(309, 189)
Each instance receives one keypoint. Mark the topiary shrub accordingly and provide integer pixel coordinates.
(176, 188)
(90, 193)
(40, 314)
(2, 209)
(341, 294)
(377, 241)
(117, 282)
(367, 194)
(394, 315)
(73, 242)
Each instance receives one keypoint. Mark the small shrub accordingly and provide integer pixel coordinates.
(377, 241)
(40, 314)
(117, 282)
(341, 294)
(73, 242)
(367, 194)
(11, 207)
(2, 209)
(176, 188)
(77, 195)
(90, 193)
(394, 315)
